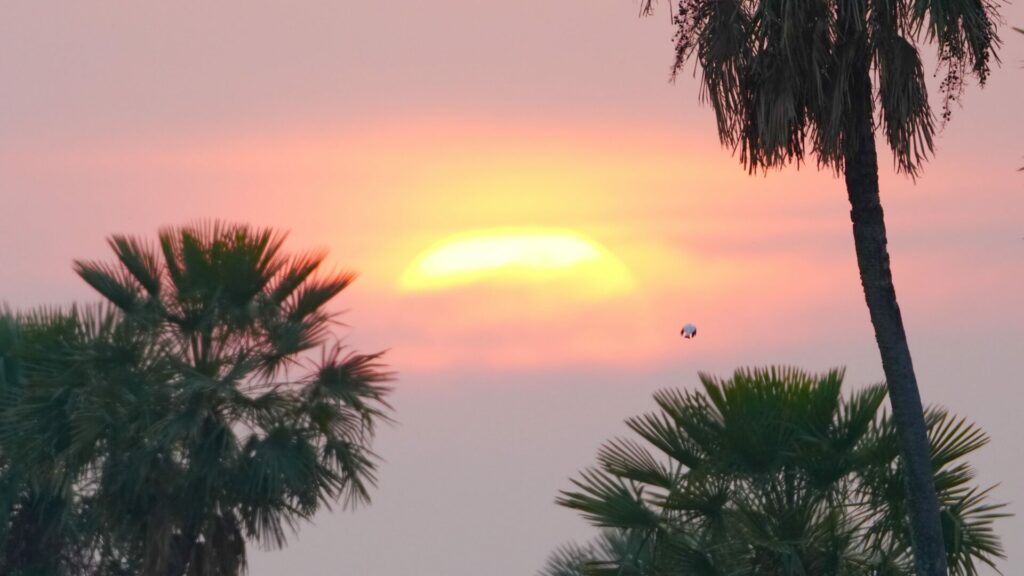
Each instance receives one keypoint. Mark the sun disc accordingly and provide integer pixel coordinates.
(516, 256)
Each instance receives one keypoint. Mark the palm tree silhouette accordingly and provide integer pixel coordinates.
(790, 80)
(773, 472)
(189, 416)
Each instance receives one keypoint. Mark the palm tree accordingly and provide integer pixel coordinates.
(195, 417)
(787, 80)
(774, 473)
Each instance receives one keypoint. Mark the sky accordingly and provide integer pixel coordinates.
(381, 130)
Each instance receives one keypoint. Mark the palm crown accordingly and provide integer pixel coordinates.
(780, 74)
(774, 472)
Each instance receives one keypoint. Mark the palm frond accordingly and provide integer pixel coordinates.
(115, 284)
(906, 114)
(659, 430)
(311, 295)
(610, 553)
(952, 438)
(628, 459)
(609, 502)
(968, 528)
(290, 277)
(140, 261)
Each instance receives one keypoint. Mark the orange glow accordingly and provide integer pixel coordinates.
(629, 238)
(517, 256)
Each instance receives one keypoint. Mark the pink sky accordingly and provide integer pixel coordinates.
(376, 129)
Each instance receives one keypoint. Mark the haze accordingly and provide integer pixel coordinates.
(376, 129)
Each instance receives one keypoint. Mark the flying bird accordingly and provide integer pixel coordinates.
(689, 331)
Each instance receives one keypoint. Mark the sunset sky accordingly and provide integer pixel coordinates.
(403, 136)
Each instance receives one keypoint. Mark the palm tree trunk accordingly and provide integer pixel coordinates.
(861, 173)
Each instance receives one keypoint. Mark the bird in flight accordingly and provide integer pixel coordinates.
(689, 331)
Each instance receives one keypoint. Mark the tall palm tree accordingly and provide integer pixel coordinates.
(817, 77)
(774, 473)
(196, 416)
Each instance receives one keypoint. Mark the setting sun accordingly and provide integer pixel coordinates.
(517, 256)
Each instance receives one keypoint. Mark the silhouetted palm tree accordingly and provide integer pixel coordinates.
(774, 473)
(192, 417)
(787, 80)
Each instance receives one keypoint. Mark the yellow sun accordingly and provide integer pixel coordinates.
(514, 256)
